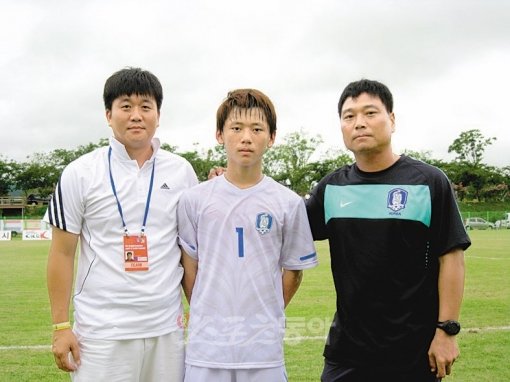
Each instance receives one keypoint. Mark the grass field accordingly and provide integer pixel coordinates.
(485, 342)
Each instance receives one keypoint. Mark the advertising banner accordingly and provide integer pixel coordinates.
(12, 225)
(5, 235)
(36, 234)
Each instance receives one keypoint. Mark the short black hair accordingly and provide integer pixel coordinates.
(130, 81)
(374, 88)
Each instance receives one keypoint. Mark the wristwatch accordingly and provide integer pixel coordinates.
(451, 327)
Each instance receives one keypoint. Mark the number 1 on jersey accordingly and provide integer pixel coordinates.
(240, 241)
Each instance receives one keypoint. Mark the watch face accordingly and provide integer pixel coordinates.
(452, 327)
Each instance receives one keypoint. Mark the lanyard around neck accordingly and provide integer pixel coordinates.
(148, 202)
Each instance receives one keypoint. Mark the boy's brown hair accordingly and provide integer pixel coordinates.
(246, 99)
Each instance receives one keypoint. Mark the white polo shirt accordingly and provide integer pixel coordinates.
(109, 302)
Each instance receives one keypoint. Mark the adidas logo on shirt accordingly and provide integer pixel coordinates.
(164, 186)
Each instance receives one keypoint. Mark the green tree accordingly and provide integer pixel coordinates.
(424, 156)
(40, 173)
(470, 171)
(475, 179)
(290, 162)
(59, 158)
(167, 147)
(36, 176)
(496, 184)
(287, 162)
(470, 147)
(206, 160)
(7, 171)
(505, 174)
(329, 162)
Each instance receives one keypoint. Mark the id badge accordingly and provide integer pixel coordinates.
(136, 256)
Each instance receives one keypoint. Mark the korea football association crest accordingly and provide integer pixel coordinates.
(263, 223)
(397, 199)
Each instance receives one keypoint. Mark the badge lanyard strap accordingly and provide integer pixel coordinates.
(119, 207)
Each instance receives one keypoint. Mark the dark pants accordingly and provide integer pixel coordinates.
(337, 373)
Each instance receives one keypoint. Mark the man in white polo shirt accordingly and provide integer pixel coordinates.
(115, 201)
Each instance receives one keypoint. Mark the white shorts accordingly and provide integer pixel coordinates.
(140, 360)
(206, 374)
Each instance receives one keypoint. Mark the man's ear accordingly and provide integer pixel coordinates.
(108, 114)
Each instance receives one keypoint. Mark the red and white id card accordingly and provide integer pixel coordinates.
(136, 255)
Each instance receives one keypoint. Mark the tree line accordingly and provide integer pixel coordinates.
(289, 163)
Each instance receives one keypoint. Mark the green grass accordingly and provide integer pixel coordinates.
(485, 351)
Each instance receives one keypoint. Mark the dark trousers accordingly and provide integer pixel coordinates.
(334, 372)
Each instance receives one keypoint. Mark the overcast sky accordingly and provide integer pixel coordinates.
(447, 63)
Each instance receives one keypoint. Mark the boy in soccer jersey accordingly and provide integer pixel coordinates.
(245, 240)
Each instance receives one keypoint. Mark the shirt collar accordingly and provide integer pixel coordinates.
(119, 150)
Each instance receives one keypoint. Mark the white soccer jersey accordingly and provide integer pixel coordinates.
(109, 302)
(242, 239)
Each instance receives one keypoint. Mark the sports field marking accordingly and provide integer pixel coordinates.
(26, 347)
(487, 258)
(292, 339)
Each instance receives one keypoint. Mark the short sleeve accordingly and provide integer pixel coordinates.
(66, 207)
(315, 212)
(187, 226)
(298, 250)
